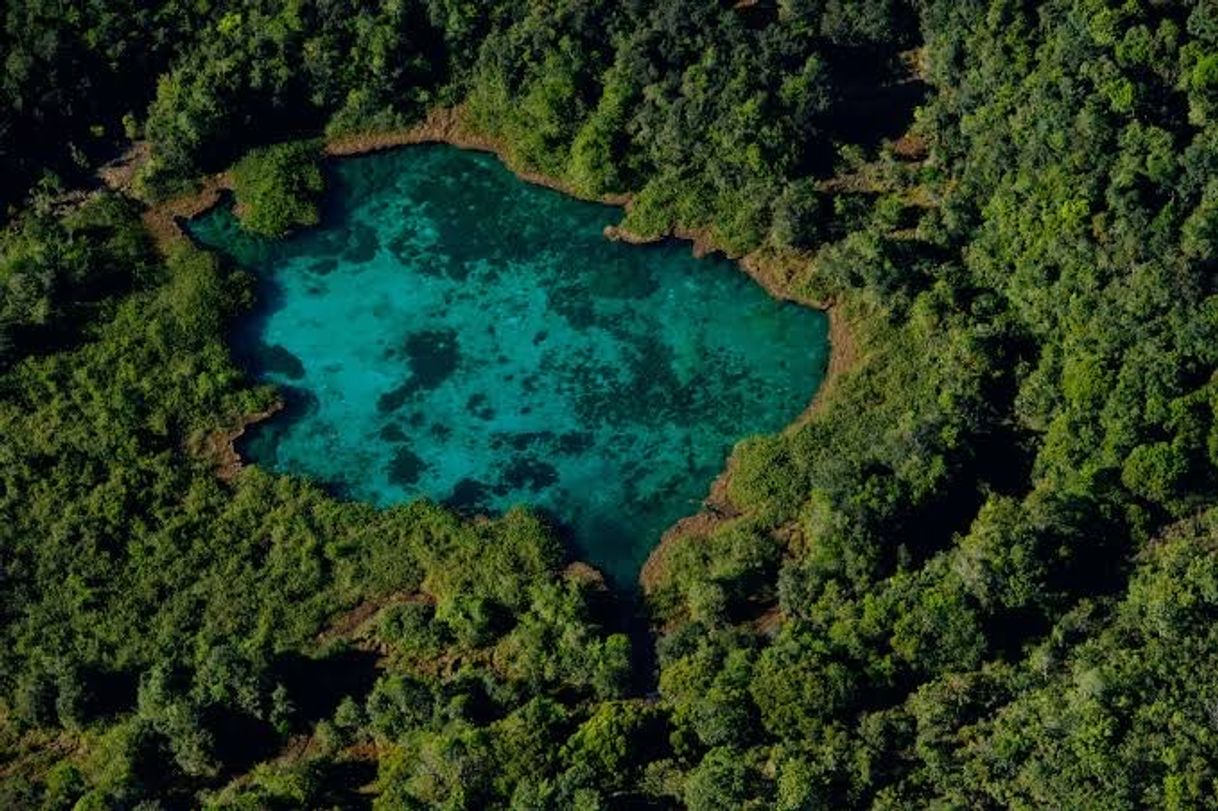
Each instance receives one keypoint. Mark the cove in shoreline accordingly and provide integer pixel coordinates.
(453, 333)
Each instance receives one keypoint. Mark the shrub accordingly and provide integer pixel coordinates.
(277, 188)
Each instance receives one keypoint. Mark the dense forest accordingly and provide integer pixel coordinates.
(983, 573)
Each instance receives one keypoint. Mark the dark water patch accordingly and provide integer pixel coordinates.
(528, 439)
(327, 244)
(405, 467)
(576, 442)
(405, 248)
(459, 271)
(362, 245)
(433, 356)
(623, 281)
(468, 495)
(528, 473)
(477, 404)
(324, 266)
(579, 313)
(277, 360)
(395, 398)
(392, 433)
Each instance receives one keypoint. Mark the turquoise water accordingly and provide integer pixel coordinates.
(455, 333)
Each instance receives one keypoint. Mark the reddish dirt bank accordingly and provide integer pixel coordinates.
(220, 446)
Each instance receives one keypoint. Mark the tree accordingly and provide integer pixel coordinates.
(277, 189)
(721, 781)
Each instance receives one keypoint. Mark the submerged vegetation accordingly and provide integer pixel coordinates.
(982, 573)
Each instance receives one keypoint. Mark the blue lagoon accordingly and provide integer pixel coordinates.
(454, 333)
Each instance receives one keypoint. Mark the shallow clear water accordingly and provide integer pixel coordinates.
(453, 332)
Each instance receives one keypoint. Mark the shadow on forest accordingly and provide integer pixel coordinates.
(241, 739)
(342, 781)
(870, 114)
(317, 686)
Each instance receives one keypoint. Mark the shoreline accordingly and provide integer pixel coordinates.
(717, 508)
(220, 445)
(162, 219)
(448, 126)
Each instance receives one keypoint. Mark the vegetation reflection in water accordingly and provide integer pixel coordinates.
(455, 333)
